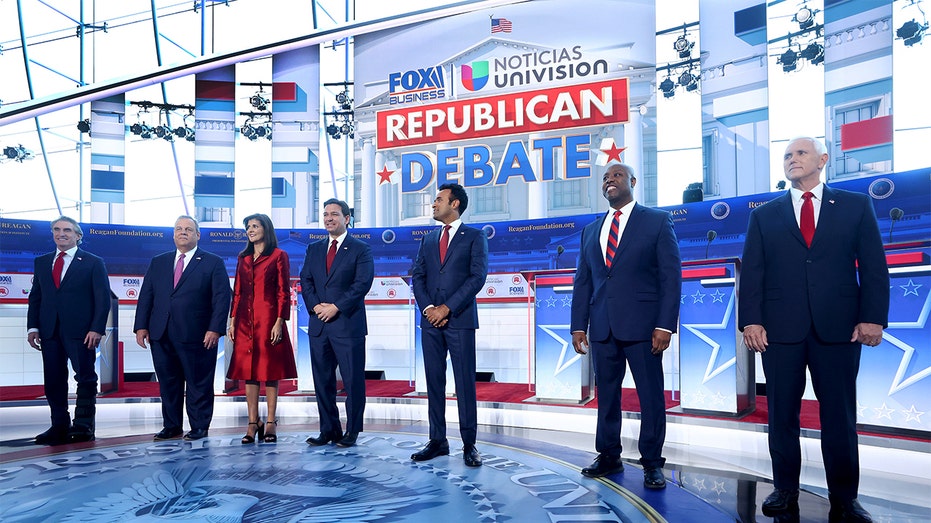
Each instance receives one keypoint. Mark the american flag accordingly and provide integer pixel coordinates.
(500, 25)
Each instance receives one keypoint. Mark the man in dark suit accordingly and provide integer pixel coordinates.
(67, 317)
(449, 272)
(182, 312)
(814, 286)
(337, 274)
(626, 295)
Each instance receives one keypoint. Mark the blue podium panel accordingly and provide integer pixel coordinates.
(107, 361)
(894, 383)
(561, 375)
(716, 375)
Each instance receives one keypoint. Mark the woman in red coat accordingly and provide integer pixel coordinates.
(261, 304)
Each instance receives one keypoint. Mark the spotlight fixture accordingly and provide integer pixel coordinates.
(257, 125)
(259, 101)
(16, 154)
(789, 60)
(344, 101)
(668, 87)
(911, 32)
(814, 53)
(84, 125)
(146, 130)
(686, 78)
(342, 125)
(683, 46)
(805, 18)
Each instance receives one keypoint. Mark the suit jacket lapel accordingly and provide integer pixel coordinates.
(191, 267)
(786, 212)
(453, 242)
(827, 217)
(341, 254)
(76, 265)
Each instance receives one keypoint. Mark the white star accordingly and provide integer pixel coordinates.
(717, 296)
(698, 297)
(900, 382)
(710, 370)
(699, 484)
(563, 363)
(718, 399)
(719, 488)
(860, 409)
(910, 288)
(912, 414)
(567, 301)
(551, 301)
(884, 412)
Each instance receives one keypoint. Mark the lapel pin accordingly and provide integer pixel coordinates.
(831, 201)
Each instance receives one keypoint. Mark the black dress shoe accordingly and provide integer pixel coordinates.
(603, 465)
(432, 449)
(471, 456)
(196, 434)
(324, 438)
(53, 436)
(848, 511)
(653, 478)
(167, 433)
(780, 501)
(348, 440)
(80, 434)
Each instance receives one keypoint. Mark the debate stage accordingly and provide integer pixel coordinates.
(718, 469)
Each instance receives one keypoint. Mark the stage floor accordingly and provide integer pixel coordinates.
(717, 470)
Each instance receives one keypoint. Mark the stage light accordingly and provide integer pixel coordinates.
(686, 78)
(789, 60)
(668, 88)
(248, 131)
(16, 154)
(84, 125)
(162, 131)
(259, 101)
(180, 132)
(683, 46)
(332, 130)
(814, 53)
(268, 131)
(344, 101)
(136, 128)
(911, 32)
(805, 18)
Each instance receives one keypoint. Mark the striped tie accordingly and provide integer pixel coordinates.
(612, 239)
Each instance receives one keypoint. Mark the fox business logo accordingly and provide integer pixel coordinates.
(132, 281)
(416, 85)
(6, 279)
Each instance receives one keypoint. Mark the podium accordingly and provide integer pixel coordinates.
(107, 362)
(716, 374)
(560, 374)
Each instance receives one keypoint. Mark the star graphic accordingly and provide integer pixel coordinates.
(717, 296)
(900, 381)
(719, 488)
(912, 414)
(682, 299)
(699, 397)
(698, 297)
(562, 364)
(567, 301)
(718, 399)
(699, 484)
(384, 175)
(710, 370)
(884, 412)
(613, 151)
(910, 288)
(551, 301)
(861, 408)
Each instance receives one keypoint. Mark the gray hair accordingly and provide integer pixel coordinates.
(186, 217)
(75, 224)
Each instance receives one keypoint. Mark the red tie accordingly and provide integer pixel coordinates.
(330, 256)
(57, 268)
(612, 239)
(807, 221)
(179, 268)
(444, 242)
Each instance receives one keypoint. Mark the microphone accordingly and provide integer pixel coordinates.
(895, 214)
(559, 250)
(712, 234)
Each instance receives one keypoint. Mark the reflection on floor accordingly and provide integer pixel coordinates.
(717, 469)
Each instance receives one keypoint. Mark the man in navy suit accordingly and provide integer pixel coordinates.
(67, 317)
(449, 272)
(182, 312)
(337, 274)
(626, 295)
(814, 287)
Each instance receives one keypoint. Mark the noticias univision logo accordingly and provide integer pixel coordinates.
(475, 75)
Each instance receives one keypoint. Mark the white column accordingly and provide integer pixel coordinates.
(368, 182)
(633, 154)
